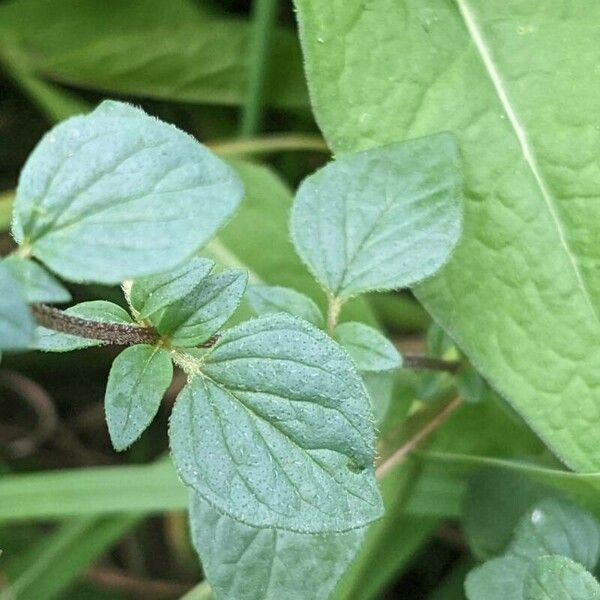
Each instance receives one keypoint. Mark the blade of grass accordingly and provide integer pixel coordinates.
(263, 18)
(51, 566)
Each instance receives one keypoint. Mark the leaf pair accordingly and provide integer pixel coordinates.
(374, 356)
(108, 196)
(554, 547)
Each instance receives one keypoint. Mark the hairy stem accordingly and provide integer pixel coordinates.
(433, 364)
(120, 334)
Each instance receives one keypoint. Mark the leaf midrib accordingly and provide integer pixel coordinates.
(476, 35)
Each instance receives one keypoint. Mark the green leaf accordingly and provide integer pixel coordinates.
(380, 386)
(201, 58)
(47, 570)
(93, 491)
(556, 526)
(196, 317)
(150, 294)
(559, 578)
(138, 379)
(117, 195)
(267, 299)
(97, 310)
(16, 324)
(500, 75)
(369, 349)
(277, 430)
(35, 282)
(495, 502)
(380, 219)
(242, 244)
(246, 563)
(497, 579)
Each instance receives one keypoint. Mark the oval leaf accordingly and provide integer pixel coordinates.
(246, 563)
(370, 350)
(497, 579)
(381, 219)
(35, 282)
(150, 294)
(16, 324)
(195, 318)
(556, 526)
(559, 578)
(277, 431)
(267, 299)
(138, 379)
(117, 194)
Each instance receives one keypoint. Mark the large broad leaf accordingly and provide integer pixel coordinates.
(515, 81)
(16, 324)
(117, 194)
(246, 563)
(381, 219)
(138, 379)
(558, 578)
(277, 430)
(112, 47)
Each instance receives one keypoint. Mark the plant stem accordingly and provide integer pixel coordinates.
(388, 464)
(427, 362)
(121, 334)
(269, 143)
(264, 14)
(334, 306)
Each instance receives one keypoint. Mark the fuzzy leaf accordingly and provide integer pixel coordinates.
(497, 579)
(35, 282)
(197, 316)
(16, 324)
(370, 350)
(97, 310)
(559, 578)
(246, 563)
(117, 195)
(381, 219)
(150, 294)
(138, 379)
(277, 431)
(516, 82)
(556, 526)
(267, 299)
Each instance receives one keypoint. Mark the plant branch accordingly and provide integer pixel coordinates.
(269, 143)
(120, 334)
(433, 364)
(388, 464)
